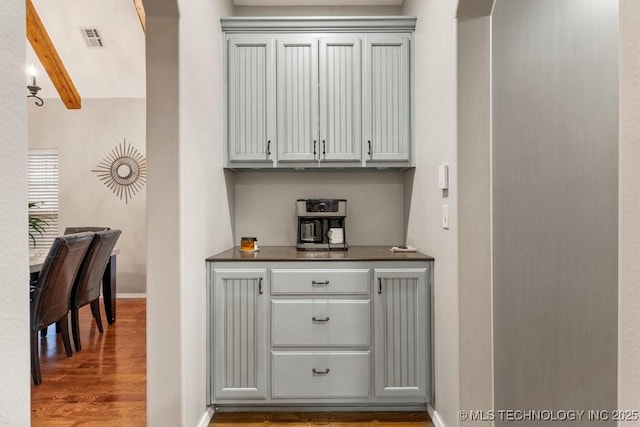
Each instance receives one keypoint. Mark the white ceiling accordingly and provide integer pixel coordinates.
(317, 2)
(116, 70)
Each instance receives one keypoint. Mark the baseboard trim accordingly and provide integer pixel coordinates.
(206, 418)
(318, 408)
(131, 295)
(435, 417)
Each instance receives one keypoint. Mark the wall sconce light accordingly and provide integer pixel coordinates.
(33, 88)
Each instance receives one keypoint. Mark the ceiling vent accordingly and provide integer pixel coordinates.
(91, 37)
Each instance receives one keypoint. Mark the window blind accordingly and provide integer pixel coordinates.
(43, 191)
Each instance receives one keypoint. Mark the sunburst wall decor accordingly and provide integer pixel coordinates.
(123, 171)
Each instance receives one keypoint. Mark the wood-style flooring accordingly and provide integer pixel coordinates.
(102, 385)
(105, 383)
(315, 419)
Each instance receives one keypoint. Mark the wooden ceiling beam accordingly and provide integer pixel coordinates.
(50, 60)
(141, 15)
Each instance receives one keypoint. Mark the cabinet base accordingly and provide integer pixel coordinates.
(320, 407)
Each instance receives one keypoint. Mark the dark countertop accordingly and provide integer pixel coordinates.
(290, 253)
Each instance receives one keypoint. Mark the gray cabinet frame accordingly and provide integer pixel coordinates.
(354, 137)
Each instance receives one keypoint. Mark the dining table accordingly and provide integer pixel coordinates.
(108, 280)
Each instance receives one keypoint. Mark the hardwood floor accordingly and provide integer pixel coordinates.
(102, 385)
(105, 383)
(314, 419)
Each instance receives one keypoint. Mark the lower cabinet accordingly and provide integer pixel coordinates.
(401, 332)
(319, 333)
(239, 343)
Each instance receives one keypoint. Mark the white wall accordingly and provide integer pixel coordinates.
(187, 200)
(265, 204)
(629, 229)
(435, 139)
(555, 203)
(83, 139)
(164, 308)
(14, 258)
(205, 221)
(474, 175)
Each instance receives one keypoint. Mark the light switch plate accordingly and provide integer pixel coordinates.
(443, 176)
(445, 217)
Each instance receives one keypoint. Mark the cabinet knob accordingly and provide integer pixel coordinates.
(318, 372)
(315, 319)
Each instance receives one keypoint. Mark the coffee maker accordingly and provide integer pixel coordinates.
(321, 224)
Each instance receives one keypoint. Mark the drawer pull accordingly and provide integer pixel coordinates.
(379, 285)
(260, 286)
(317, 372)
(315, 319)
(316, 283)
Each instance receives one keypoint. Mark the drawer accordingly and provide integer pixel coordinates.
(340, 374)
(320, 281)
(337, 323)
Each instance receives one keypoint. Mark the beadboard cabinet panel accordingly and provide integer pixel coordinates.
(240, 334)
(251, 98)
(297, 98)
(340, 97)
(387, 121)
(401, 306)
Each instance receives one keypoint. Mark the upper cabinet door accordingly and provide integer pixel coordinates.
(387, 99)
(297, 98)
(340, 98)
(251, 98)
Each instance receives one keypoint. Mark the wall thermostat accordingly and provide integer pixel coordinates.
(443, 176)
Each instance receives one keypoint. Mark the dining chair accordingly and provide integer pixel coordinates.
(71, 230)
(50, 296)
(86, 289)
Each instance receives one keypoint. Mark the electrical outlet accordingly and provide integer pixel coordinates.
(445, 217)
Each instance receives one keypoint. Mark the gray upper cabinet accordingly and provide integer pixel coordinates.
(319, 92)
(251, 98)
(340, 98)
(297, 98)
(387, 98)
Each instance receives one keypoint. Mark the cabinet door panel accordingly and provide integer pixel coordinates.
(297, 98)
(239, 343)
(251, 98)
(387, 121)
(340, 98)
(401, 312)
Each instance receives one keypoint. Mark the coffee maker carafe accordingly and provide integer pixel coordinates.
(321, 224)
